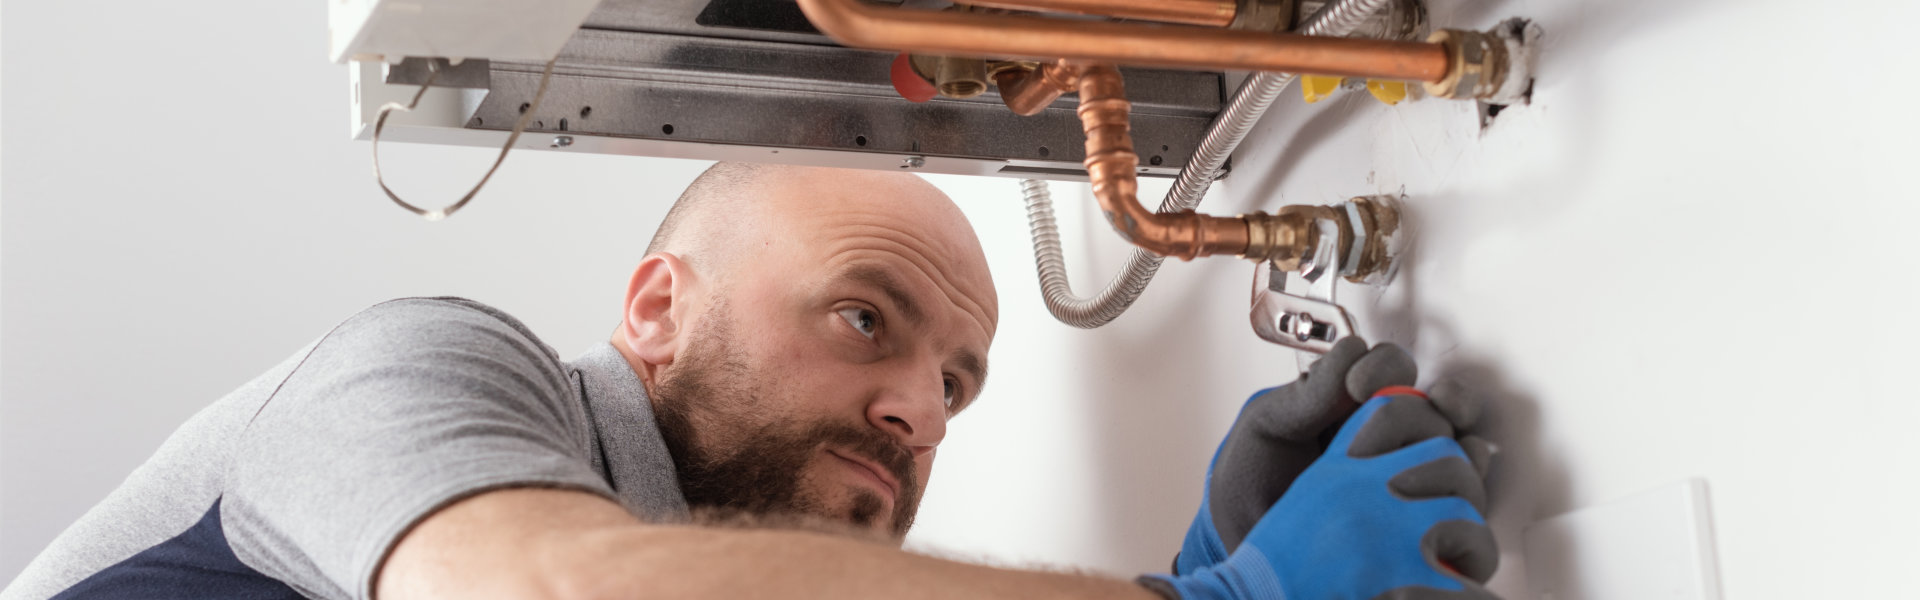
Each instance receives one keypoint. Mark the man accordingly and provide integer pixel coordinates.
(760, 425)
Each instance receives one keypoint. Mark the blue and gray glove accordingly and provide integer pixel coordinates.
(1280, 431)
(1391, 510)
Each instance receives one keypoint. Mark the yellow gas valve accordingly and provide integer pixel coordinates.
(1390, 92)
(1319, 87)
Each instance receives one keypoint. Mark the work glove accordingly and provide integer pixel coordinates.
(1282, 430)
(1392, 510)
(1279, 432)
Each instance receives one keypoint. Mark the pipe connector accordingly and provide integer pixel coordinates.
(1286, 239)
(1493, 66)
(1366, 238)
(1027, 90)
(1375, 243)
(954, 76)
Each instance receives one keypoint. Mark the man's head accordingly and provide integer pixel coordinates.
(805, 333)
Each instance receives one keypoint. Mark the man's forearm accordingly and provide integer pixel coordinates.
(563, 545)
(697, 562)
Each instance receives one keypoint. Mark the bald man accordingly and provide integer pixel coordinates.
(761, 424)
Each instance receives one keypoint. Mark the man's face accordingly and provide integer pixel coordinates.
(820, 378)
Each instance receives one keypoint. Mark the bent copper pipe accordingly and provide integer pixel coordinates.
(1211, 13)
(854, 23)
(1028, 93)
(1111, 164)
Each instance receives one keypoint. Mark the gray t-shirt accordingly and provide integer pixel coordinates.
(300, 482)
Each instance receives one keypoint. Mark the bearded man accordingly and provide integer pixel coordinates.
(760, 424)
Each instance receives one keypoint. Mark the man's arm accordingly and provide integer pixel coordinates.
(546, 544)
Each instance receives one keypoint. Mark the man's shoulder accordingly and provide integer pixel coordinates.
(439, 324)
(430, 309)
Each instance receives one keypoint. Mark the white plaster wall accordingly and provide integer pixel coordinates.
(1685, 259)
(1690, 257)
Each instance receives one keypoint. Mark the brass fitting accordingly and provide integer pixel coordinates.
(1369, 254)
(1493, 66)
(1476, 65)
(1366, 227)
(955, 77)
(1285, 238)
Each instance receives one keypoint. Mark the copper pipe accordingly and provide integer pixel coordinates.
(1211, 13)
(855, 23)
(1028, 93)
(1111, 164)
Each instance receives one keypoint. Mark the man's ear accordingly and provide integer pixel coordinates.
(659, 299)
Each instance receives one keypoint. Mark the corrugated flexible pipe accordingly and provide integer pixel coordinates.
(1226, 132)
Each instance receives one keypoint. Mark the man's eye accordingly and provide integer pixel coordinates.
(863, 320)
(952, 393)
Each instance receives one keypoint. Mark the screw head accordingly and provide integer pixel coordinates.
(562, 141)
(913, 162)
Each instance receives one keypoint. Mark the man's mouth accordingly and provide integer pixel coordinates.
(872, 471)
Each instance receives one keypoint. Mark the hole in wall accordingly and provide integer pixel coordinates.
(1488, 112)
(1155, 161)
(1044, 152)
(860, 140)
(524, 106)
(477, 121)
(667, 129)
(585, 110)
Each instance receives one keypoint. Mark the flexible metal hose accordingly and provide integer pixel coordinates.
(1243, 110)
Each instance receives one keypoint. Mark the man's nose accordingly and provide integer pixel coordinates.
(913, 412)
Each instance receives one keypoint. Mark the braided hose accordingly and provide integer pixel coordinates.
(1223, 136)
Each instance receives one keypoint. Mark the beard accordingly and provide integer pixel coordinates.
(733, 456)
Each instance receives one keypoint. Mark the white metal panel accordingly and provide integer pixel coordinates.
(442, 114)
(1655, 545)
(374, 30)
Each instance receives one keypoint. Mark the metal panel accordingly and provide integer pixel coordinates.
(782, 95)
(683, 17)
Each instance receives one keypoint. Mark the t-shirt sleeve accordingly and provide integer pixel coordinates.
(400, 410)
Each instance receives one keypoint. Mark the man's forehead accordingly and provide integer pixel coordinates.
(830, 212)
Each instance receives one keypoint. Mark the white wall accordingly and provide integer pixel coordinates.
(1691, 256)
(1685, 259)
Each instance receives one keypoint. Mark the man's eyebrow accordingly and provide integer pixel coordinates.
(889, 285)
(974, 366)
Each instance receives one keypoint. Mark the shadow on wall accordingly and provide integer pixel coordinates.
(1523, 480)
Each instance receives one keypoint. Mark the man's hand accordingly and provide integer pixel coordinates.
(1392, 510)
(1280, 431)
